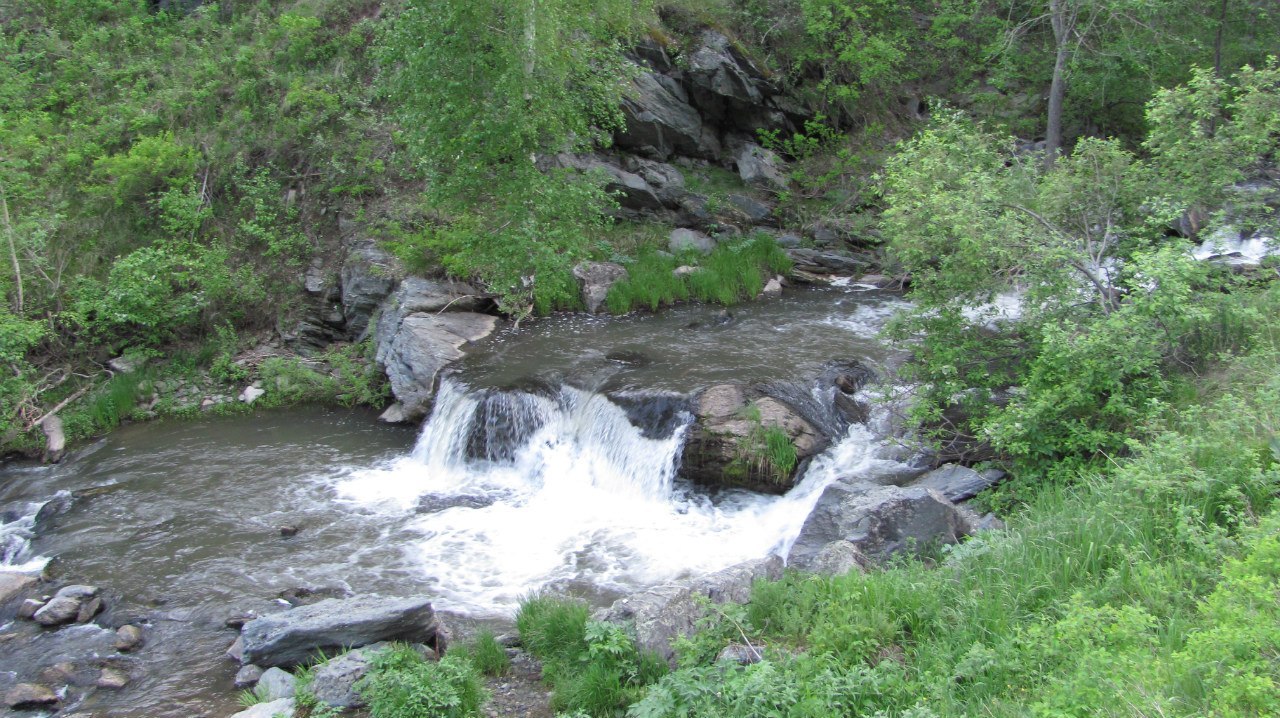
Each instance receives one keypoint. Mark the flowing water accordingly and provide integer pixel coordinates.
(550, 461)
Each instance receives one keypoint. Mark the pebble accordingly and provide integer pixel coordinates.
(128, 638)
(112, 678)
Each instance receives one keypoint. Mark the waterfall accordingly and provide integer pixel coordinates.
(516, 490)
(18, 528)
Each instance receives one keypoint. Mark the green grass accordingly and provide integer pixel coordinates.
(1146, 590)
(594, 668)
(486, 654)
(735, 271)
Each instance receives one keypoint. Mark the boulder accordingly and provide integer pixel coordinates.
(878, 521)
(333, 682)
(663, 613)
(89, 608)
(761, 168)
(27, 609)
(596, 278)
(30, 695)
(685, 239)
(251, 394)
(13, 584)
(275, 684)
(772, 289)
(959, 483)
(755, 211)
(726, 444)
(248, 676)
(368, 275)
(422, 329)
(58, 611)
(666, 180)
(827, 262)
(55, 438)
(659, 122)
(274, 709)
(292, 637)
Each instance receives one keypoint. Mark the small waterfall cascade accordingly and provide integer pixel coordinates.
(17, 529)
(510, 491)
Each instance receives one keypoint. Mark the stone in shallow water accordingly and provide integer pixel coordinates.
(113, 679)
(128, 638)
(30, 695)
(58, 611)
(248, 676)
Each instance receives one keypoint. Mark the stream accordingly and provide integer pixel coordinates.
(550, 461)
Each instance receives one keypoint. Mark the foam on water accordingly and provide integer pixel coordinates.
(581, 496)
(17, 528)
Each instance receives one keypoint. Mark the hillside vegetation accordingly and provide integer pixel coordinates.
(170, 170)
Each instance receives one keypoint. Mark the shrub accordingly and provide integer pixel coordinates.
(402, 684)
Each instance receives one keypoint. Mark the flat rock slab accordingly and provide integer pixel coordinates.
(292, 637)
(415, 350)
(959, 483)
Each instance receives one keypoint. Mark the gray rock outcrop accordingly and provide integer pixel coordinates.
(421, 330)
(726, 444)
(878, 521)
(368, 276)
(760, 167)
(663, 613)
(595, 280)
(659, 122)
(289, 638)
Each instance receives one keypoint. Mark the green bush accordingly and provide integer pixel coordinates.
(402, 684)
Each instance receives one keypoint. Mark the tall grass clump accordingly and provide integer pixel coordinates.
(485, 653)
(593, 667)
(735, 271)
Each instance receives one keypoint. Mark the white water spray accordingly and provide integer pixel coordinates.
(566, 490)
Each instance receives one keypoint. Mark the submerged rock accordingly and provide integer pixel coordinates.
(30, 695)
(292, 637)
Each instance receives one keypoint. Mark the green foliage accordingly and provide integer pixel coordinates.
(1149, 591)
(593, 667)
(343, 374)
(551, 84)
(1109, 311)
(401, 684)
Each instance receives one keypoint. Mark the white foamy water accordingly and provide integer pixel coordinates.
(17, 528)
(579, 495)
(1227, 245)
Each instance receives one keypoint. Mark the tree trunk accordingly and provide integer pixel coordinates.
(1062, 17)
(13, 249)
(1217, 40)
